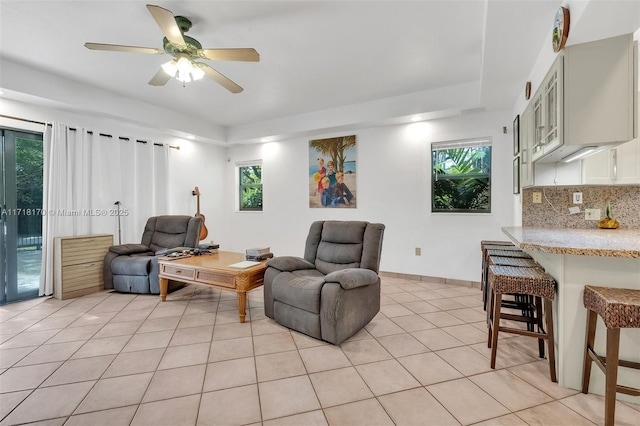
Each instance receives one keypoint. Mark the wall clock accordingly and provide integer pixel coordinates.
(560, 29)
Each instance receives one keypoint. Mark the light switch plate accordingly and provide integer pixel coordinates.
(574, 210)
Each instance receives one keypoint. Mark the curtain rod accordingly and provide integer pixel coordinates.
(22, 119)
(73, 129)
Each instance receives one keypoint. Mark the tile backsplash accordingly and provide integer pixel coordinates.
(553, 212)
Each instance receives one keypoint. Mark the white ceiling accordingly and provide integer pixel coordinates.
(318, 58)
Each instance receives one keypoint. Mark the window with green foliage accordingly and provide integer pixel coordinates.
(250, 178)
(461, 176)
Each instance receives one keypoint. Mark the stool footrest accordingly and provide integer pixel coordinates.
(519, 318)
(512, 304)
(601, 361)
(627, 390)
(523, 332)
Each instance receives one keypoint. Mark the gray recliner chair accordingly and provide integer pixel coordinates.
(334, 291)
(133, 268)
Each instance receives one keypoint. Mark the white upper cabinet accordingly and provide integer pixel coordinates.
(526, 145)
(586, 99)
(547, 112)
(615, 166)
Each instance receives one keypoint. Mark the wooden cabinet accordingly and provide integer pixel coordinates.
(78, 264)
(615, 166)
(586, 99)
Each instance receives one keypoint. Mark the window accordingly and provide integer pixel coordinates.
(250, 178)
(461, 176)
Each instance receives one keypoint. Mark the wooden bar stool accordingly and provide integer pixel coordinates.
(527, 281)
(504, 251)
(489, 244)
(520, 262)
(524, 303)
(484, 243)
(619, 308)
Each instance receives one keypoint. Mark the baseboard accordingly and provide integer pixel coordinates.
(425, 278)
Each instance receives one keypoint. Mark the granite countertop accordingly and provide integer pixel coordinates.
(586, 242)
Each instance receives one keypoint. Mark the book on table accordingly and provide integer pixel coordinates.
(260, 258)
(244, 264)
(204, 246)
(258, 251)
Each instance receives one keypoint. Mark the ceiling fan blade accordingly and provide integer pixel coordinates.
(120, 48)
(160, 79)
(167, 24)
(224, 81)
(241, 54)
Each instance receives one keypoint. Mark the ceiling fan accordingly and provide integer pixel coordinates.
(185, 51)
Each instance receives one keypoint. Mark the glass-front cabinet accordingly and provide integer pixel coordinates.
(586, 99)
(547, 110)
(538, 128)
(526, 145)
(552, 112)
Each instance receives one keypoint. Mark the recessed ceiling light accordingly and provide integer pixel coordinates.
(266, 139)
(416, 118)
(191, 137)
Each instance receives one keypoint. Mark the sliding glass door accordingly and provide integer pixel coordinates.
(21, 216)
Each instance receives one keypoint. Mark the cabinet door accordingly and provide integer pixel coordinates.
(615, 166)
(597, 168)
(599, 91)
(526, 141)
(537, 146)
(627, 170)
(553, 107)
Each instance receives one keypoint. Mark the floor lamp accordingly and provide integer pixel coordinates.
(118, 204)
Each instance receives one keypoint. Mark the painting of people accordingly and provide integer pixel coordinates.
(332, 172)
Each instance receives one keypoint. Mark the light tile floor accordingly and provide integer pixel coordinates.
(112, 359)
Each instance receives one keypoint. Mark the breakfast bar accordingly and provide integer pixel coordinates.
(575, 258)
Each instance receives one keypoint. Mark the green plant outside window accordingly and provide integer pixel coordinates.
(250, 188)
(461, 176)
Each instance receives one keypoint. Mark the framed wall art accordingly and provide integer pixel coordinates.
(516, 135)
(516, 175)
(332, 172)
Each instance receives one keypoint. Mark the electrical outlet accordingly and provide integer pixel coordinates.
(591, 214)
(418, 251)
(537, 197)
(577, 198)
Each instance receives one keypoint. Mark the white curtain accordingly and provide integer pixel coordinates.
(84, 175)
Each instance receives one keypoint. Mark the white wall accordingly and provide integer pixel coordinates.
(202, 165)
(393, 184)
(194, 164)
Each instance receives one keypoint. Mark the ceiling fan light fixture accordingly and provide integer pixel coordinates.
(185, 66)
(184, 50)
(183, 77)
(170, 67)
(197, 73)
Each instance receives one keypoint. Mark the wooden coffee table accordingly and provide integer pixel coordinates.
(213, 270)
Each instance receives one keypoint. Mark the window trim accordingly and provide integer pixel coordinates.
(454, 144)
(240, 186)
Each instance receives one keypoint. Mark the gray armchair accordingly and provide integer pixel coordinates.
(133, 268)
(334, 291)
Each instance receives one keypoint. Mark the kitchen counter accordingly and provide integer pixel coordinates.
(584, 242)
(575, 258)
